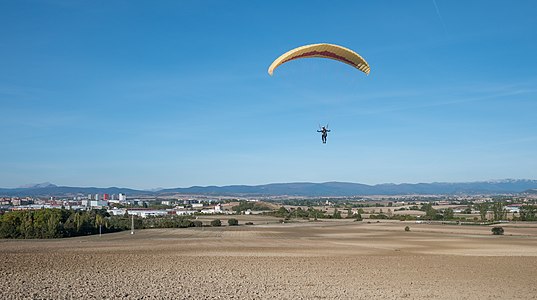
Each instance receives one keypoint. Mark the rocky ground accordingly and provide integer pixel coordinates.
(309, 260)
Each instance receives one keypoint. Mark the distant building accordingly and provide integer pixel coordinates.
(98, 203)
(17, 202)
(117, 211)
(122, 197)
(86, 203)
(217, 209)
(185, 212)
(514, 208)
(144, 213)
(132, 202)
(190, 201)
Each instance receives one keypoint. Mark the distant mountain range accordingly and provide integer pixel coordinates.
(54, 190)
(506, 186)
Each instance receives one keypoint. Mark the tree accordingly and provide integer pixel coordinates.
(379, 216)
(53, 229)
(314, 213)
(430, 212)
(78, 221)
(499, 211)
(56, 223)
(233, 222)
(99, 220)
(528, 213)
(497, 230)
(216, 223)
(69, 226)
(448, 214)
(245, 205)
(483, 209)
(300, 213)
(282, 212)
(9, 224)
(27, 226)
(336, 215)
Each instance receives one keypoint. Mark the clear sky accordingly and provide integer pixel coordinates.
(146, 94)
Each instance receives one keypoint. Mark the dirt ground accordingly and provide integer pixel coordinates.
(308, 260)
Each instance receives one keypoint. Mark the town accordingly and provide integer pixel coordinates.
(404, 207)
(118, 204)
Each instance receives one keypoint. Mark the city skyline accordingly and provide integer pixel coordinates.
(176, 94)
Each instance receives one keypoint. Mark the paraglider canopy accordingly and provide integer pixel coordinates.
(331, 51)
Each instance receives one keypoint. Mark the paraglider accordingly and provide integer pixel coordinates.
(323, 50)
(324, 133)
(330, 51)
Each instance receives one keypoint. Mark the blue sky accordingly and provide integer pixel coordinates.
(146, 94)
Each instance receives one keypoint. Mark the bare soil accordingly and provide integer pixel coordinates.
(307, 260)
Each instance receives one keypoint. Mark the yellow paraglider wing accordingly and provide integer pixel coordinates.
(331, 51)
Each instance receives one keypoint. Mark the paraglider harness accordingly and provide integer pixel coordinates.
(324, 130)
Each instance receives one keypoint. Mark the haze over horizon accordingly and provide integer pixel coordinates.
(176, 94)
(50, 184)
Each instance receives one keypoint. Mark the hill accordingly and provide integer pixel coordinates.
(507, 186)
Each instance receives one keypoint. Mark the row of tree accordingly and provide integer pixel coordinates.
(496, 210)
(56, 223)
(312, 213)
(526, 213)
(249, 205)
